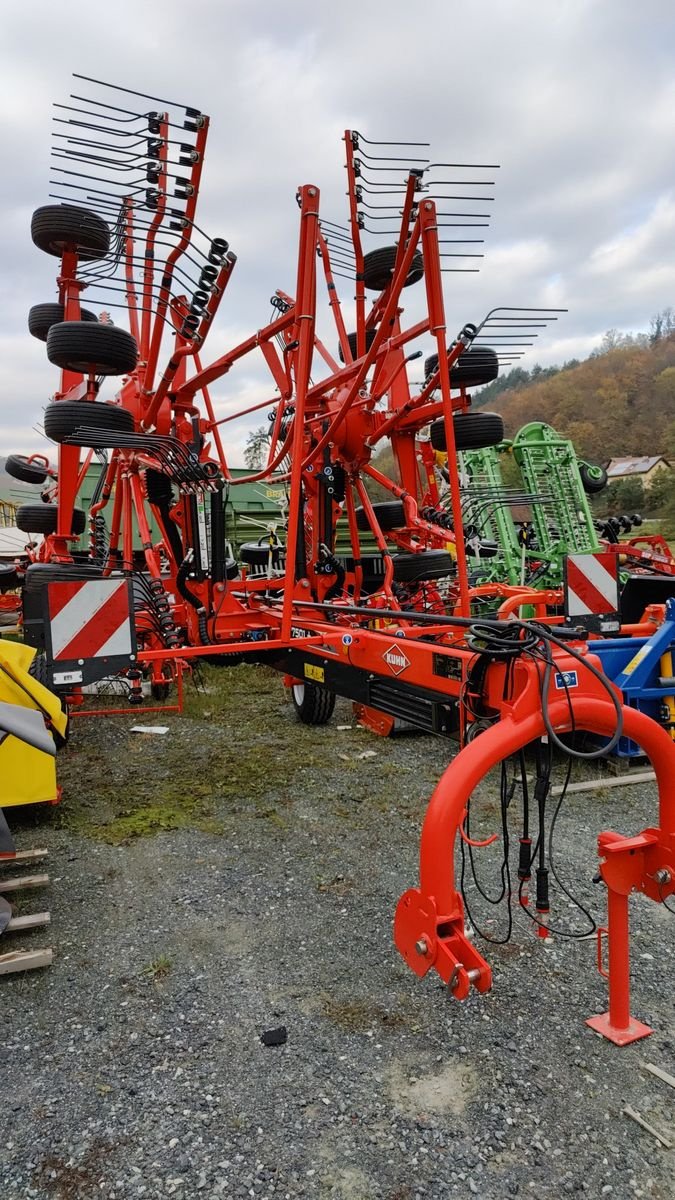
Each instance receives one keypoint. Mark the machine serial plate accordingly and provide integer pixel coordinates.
(447, 666)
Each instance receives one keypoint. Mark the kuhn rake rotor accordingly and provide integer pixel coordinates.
(390, 628)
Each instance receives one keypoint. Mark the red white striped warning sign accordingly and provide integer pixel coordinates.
(89, 618)
(591, 586)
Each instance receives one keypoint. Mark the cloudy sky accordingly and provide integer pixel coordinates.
(575, 99)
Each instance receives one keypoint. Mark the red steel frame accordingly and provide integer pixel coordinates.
(336, 421)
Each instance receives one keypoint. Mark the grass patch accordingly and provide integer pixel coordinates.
(132, 792)
(159, 968)
(222, 759)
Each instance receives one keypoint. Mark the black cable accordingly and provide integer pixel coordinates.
(564, 933)
(495, 900)
(526, 793)
(506, 793)
(584, 755)
(663, 900)
(556, 813)
(592, 923)
(567, 933)
(505, 871)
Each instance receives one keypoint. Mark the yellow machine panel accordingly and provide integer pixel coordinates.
(27, 775)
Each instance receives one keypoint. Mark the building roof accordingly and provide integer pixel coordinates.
(640, 465)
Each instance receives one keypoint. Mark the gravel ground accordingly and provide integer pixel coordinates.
(134, 1067)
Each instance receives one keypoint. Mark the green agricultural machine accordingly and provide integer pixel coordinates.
(520, 534)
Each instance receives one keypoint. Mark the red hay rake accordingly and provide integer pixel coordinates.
(392, 630)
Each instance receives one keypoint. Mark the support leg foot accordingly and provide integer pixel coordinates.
(620, 1036)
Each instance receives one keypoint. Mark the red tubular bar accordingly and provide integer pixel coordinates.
(69, 456)
(354, 539)
(277, 369)
(84, 468)
(334, 299)
(360, 293)
(148, 269)
(117, 509)
(434, 286)
(407, 214)
(129, 273)
(619, 968)
(525, 595)
(447, 805)
(213, 424)
(305, 318)
(143, 527)
(380, 540)
(127, 522)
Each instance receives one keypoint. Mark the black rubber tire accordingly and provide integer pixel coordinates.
(42, 316)
(255, 555)
(428, 564)
(473, 431)
(351, 338)
(64, 417)
(9, 578)
(92, 349)
(313, 704)
(41, 518)
(57, 227)
(18, 466)
(408, 568)
(390, 514)
(379, 264)
(476, 366)
(38, 669)
(593, 478)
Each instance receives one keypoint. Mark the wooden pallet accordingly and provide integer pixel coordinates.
(24, 960)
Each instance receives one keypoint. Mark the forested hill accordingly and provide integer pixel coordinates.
(620, 401)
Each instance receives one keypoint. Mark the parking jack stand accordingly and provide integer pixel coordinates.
(617, 1024)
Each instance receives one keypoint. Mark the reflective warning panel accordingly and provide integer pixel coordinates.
(592, 592)
(89, 629)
